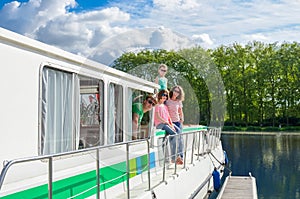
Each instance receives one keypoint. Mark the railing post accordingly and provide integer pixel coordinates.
(185, 147)
(215, 137)
(165, 154)
(193, 143)
(149, 176)
(98, 173)
(176, 151)
(199, 142)
(205, 140)
(211, 138)
(50, 177)
(128, 170)
(219, 135)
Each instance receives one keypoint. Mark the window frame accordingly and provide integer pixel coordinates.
(75, 138)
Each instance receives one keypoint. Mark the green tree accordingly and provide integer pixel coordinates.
(144, 64)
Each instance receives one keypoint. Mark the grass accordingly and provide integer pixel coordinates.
(262, 129)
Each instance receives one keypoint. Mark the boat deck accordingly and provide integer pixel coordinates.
(242, 187)
(141, 188)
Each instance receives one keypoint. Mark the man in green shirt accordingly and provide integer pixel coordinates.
(138, 110)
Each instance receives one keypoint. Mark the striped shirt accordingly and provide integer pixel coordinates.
(173, 107)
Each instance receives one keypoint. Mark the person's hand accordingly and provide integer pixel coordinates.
(173, 127)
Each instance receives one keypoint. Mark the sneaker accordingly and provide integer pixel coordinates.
(179, 161)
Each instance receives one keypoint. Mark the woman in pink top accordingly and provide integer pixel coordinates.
(174, 105)
(162, 119)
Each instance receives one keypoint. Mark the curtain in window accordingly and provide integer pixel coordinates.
(111, 115)
(119, 113)
(76, 109)
(60, 119)
(129, 115)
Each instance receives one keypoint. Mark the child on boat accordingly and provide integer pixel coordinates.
(162, 120)
(161, 79)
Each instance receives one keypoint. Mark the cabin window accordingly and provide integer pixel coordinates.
(91, 112)
(60, 111)
(71, 112)
(142, 128)
(115, 114)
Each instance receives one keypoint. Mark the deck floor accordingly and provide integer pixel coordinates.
(239, 187)
(140, 189)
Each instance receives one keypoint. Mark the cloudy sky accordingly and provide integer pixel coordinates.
(80, 26)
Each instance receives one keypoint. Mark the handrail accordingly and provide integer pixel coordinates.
(209, 138)
(201, 140)
(52, 156)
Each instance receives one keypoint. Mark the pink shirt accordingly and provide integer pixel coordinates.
(163, 112)
(173, 108)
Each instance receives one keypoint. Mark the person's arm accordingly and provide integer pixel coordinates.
(135, 120)
(181, 116)
(170, 121)
(156, 80)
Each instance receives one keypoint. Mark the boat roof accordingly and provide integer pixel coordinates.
(15, 39)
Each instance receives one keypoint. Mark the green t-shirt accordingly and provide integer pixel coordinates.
(138, 109)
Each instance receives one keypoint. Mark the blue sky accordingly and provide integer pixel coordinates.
(82, 4)
(80, 26)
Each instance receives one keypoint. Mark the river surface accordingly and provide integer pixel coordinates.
(273, 159)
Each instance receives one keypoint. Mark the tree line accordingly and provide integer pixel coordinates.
(256, 84)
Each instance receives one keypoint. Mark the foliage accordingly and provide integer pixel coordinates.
(255, 86)
(253, 128)
(231, 128)
(261, 82)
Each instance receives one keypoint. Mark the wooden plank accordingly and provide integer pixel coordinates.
(241, 187)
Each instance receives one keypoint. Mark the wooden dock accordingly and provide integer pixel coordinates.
(241, 187)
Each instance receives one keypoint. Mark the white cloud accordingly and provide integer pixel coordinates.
(50, 22)
(134, 40)
(209, 23)
(176, 5)
(203, 40)
(81, 32)
(26, 17)
(257, 37)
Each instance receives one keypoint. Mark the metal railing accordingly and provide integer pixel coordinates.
(195, 143)
(200, 141)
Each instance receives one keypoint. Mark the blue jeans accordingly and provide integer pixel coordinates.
(167, 128)
(171, 132)
(174, 141)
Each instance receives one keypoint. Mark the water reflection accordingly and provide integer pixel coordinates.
(273, 159)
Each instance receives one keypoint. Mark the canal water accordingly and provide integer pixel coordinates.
(273, 159)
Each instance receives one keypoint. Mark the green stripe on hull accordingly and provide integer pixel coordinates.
(198, 128)
(162, 133)
(84, 185)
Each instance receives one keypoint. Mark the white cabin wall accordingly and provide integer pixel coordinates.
(19, 129)
(19, 99)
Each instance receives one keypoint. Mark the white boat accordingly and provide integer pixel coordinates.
(66, 132)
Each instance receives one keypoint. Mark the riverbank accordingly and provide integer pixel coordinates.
(259, 129)
(261, 133)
